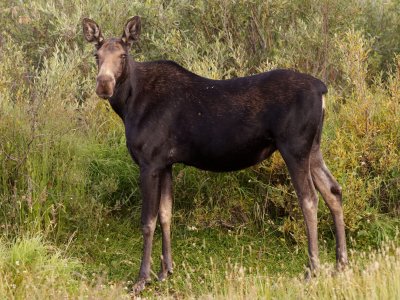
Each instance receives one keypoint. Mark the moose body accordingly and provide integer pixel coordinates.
(172, 115)
(175, 116)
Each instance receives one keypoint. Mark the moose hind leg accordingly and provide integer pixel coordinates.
(332, 194)
(299, 170)
(165, 215)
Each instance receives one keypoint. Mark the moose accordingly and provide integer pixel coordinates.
(172, 115)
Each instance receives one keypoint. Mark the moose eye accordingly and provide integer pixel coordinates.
(96, 57)
(123, 56)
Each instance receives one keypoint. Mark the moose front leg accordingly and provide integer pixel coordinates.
(150, 179)
(165, 215)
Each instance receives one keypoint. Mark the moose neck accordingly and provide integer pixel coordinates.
(124, 89)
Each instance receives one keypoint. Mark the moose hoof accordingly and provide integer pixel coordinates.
(307, 275)
(164, 274)
(341, 265)
(139, 286)
(310, 274)
(166, 269)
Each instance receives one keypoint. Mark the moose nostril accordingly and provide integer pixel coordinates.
(104, 79)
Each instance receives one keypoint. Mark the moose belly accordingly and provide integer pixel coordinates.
(235, 159)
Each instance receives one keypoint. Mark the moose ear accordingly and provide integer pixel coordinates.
(92, 32)
(132, 30)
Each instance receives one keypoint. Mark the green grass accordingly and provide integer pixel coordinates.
(33, 269)
(117, 250)
(210, 264)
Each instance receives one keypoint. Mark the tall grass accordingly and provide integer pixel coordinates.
(373, 275)
(33, 269)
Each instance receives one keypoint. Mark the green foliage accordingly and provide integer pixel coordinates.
(33, 269)
(29, 262)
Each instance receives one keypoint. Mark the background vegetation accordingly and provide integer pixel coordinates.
(69, 199)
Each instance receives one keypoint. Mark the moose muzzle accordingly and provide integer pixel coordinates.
(105, 86)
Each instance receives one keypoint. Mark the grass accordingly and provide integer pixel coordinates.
(370, 276)
(30, 270)
(210, 265)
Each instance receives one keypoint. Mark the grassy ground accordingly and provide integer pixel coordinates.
(69, 199)
(232, 266)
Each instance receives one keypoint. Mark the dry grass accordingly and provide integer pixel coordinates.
(373, 275)
(32, 269)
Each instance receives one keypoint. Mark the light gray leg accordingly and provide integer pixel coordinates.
(165, 215)
(332, 194)
(299, 169)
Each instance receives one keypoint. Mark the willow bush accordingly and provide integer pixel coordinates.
(62, 150)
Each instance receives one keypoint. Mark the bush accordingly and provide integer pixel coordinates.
(62, 151)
